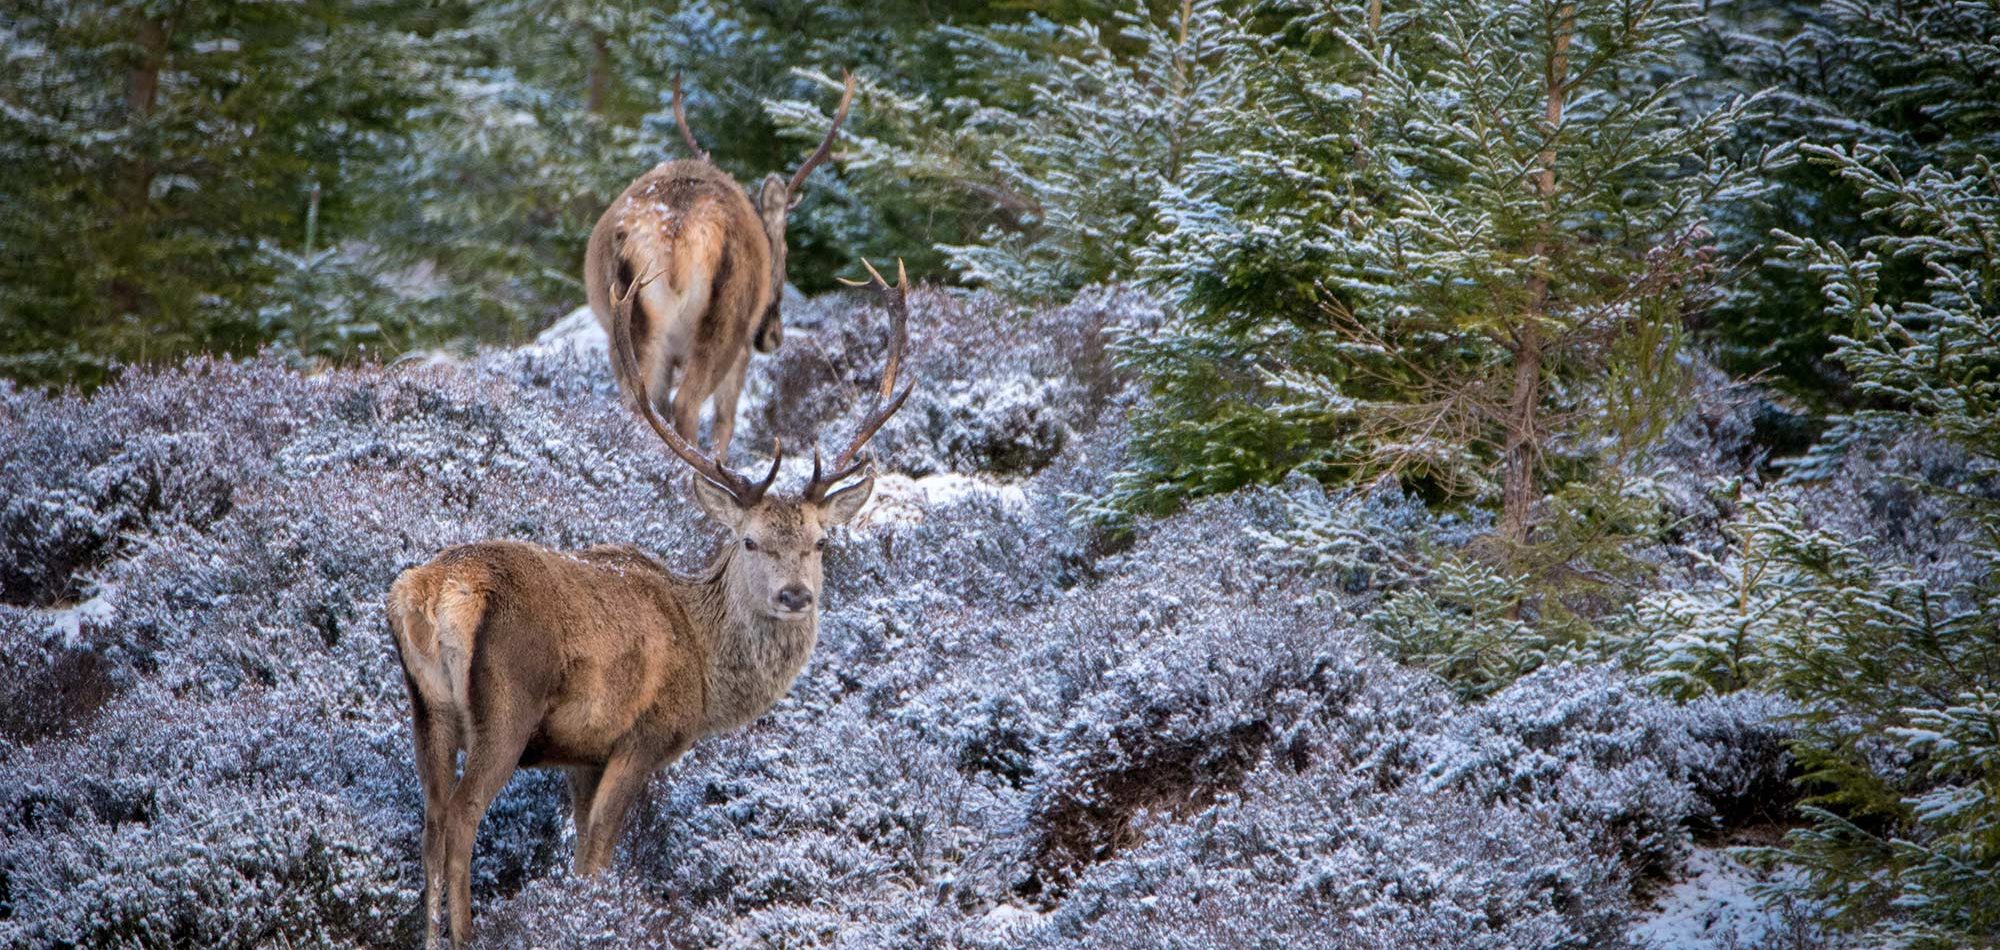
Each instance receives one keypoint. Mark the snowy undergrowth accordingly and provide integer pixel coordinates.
(1015, 732)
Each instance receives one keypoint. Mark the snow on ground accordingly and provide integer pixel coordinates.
(577, 332)
(68, 623)
(900, 499)
(1712, 908)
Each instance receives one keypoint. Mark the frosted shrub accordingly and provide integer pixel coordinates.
(1599, 751)
(1381, 818)
(1363, 538)
(229, 871)
(998, 389)
(77, 476)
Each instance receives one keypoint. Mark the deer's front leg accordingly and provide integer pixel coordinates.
(583, 782)
(624, 778)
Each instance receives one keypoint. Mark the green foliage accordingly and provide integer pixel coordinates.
(1464, 624)
(1400, 268)
(151, 152)
(1058, 163)
(1895, 667)
(1896, 744)
(461, 151)
(1905, 737)
(1918, 80)
(1927, 350)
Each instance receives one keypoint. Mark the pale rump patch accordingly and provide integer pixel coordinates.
(460, 607)
(435, 620)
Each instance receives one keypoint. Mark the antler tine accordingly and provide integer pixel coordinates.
(681, 119)
(777, 457)
(625, 363)
(825, 144)
(851, 459)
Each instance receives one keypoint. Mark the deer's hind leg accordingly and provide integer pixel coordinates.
(725, 403)
(490, 759)
(690, 391)
(437, 749)
(506, 710)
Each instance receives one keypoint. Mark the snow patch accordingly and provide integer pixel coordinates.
(1008, 922)
(900, 499)
(1712, 907)
(578, 332)
(68, 623)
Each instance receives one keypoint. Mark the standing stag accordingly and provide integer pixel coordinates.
(603, 662)
(720, 260)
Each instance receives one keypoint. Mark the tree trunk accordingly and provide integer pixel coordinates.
(1524, 442)
(133, 186)
(1524, 446)
(142, 93)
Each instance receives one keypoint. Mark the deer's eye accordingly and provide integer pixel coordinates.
(819, 545)
(749, 545)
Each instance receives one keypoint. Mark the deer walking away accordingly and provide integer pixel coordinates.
(603, 662)
(710, 265)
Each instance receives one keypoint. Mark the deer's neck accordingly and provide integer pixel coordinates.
(752, 657)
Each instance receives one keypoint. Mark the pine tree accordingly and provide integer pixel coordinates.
(1478, 227)
(1894, 666)
(1054, 168)
(153, 154)
(1918, 80)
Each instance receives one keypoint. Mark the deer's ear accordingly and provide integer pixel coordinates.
(716, 502)
(841, 506)
(772, 199)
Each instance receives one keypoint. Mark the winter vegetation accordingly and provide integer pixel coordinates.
(1391, 473)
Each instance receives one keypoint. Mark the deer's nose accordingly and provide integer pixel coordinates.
(795, 597)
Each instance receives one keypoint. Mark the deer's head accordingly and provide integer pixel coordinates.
(779, 540)
(775, 199)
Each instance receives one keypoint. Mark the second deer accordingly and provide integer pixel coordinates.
(603, 662)
(711, 267)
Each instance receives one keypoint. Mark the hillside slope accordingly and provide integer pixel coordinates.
(1017, 731)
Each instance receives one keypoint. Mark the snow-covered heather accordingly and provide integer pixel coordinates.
(1016, 731)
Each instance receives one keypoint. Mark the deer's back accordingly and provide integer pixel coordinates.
(600, 644)
(692, 230)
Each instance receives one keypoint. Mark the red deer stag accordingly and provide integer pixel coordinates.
(603, 662)
(721, 260)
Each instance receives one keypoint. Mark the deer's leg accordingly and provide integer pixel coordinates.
(624, 778)
(437, 746)
(491, 754)
(725, 404)
(665, 385)
(583, 781)
(696, 382)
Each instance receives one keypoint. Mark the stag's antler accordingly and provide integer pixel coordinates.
(887, 400)
(681, 119)
(825, 144)
(625, 363)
